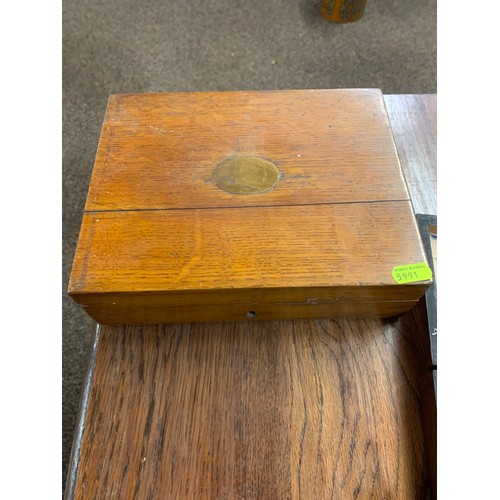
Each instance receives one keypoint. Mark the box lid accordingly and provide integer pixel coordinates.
(325, 203)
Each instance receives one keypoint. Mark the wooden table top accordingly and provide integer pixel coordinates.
(309, 409)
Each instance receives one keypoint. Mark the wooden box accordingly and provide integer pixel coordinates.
(246, 205)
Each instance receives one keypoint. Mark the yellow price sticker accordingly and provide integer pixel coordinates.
(411, 273)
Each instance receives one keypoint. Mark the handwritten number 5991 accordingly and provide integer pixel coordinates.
(404, 276)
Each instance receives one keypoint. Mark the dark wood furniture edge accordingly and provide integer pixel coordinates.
(428, 388)
(425, 220)
(74, 460)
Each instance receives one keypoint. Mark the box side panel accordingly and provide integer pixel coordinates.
(241, 312)
(307, 295)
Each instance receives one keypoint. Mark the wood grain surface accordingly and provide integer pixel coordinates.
(322, 246)
(352, 245)
(295, 409)
(414, 126)
(115, 314)
(160, 151)
(156, 221)
(300, 409)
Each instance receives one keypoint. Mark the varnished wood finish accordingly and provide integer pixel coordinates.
(159, 151)
(320, 245)
(156, 220)
(414, 126)
(265, 304)
(243, 312)
(284, 409)
(297, 409)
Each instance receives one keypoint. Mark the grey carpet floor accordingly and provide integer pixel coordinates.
(119, 46)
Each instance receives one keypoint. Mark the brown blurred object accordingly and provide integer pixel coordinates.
(343, 11)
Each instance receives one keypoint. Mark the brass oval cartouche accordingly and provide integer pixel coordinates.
(246, 175)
